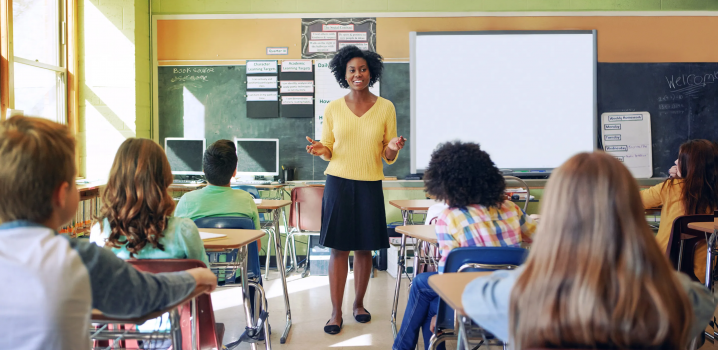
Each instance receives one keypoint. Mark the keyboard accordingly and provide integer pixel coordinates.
(251, 183)
(185, 182)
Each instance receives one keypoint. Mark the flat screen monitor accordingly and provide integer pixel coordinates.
(185, 155)
(257, 157)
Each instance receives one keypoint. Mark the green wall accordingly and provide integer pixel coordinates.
(356, 6)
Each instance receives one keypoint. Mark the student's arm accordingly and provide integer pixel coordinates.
(528, 226)
(486, 301)
(703, 302)
(119, 290)
(652, 197)
(255, 215)
(389, 134)
(181, 209)
(328, 134)
(193, 245)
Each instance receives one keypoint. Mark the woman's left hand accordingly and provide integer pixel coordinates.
(396, 143)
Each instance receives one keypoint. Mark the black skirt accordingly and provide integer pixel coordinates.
(353, 215)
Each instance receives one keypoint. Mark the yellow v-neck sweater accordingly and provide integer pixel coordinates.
(358, 144)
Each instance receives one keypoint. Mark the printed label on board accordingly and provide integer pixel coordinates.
(257, 67)
(362, 46)
(620, 159)
(262, 96)
(297, 66)
(612, 137)
(617, 148)
(612, 127)
(296, 86)
(277, 51)
(353, 36)
(625, 118)
(269, 82)
(338, 27)
(324, 36)
(297, 100)
(322, 46)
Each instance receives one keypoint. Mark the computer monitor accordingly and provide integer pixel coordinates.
(257, 157)
(185, 155)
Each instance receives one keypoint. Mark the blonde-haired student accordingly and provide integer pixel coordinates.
(51, 283)
(137, 217)
(595, 277)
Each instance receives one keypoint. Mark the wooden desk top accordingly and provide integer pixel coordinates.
(426, 233)
(235, 239)
(702, 226)
(186, 187)
(413, 204)
(99, 317)
(91, 186)
(271, 204)
(450, 287)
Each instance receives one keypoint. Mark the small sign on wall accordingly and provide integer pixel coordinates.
(277, 51)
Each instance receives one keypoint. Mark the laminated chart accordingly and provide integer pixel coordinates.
(627, 136)
(327, 90)
(323, 37)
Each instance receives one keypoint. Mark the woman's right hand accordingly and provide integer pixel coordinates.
(317, 148)
(204, 276)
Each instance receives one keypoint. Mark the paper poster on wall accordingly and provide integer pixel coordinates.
(327, 90)
(297, 100)
(260, 67)
(296, 86)
(322, 37)
(262, 82)
(363, 46)
(297, 65)
(627, 136)
(262, 96)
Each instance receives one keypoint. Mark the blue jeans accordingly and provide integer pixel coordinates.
(421, 307)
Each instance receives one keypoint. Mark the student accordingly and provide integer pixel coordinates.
(136, 221)
(464, 177)
(51, 283)
(692, 189)
(595, 277)
(218, 198)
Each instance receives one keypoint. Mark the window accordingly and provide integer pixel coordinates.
(38, 72)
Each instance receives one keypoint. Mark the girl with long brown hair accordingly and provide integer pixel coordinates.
(136, 221)
(692, 189)
(595, 277)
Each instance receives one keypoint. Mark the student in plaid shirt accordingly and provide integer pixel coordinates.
(463, 176)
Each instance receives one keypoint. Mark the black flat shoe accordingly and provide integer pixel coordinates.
(364, 318)
(333, 329)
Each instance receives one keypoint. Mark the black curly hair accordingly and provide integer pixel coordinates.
(338, 64)
(461, 174)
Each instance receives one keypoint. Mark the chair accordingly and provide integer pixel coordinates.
(210, 335)
(471, 259)
(264, 222)
(683, 241)
(523, 184)
(305, 218)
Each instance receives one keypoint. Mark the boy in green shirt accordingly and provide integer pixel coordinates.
(218, 198)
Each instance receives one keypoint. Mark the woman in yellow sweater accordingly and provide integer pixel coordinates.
(692, 189)
(359, 131)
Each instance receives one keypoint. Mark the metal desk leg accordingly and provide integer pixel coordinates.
(176, 329)
(282, 270)
(399, 272)
(709, 260)
(242, 256)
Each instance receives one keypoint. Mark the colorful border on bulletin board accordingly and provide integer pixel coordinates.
(322, 37)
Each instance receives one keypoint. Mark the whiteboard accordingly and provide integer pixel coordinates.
(627, 136)
(527, 97)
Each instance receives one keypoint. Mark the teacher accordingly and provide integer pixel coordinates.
(359, 131)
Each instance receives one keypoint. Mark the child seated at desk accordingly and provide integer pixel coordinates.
(691, 189)
(464, 177)
(51, 283)
(218, 198)
(136, 221)
(595, 277)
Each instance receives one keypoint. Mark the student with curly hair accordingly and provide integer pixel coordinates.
(479, 215)
(359, 131)
(136, 219)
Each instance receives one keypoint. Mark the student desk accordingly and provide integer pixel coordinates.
(450, 287)
(710, 228)
(275, 208)
(426, 233)
(175, 331)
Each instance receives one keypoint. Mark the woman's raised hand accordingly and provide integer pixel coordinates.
(316, 148)
(396, 143)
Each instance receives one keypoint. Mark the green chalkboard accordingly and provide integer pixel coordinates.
(211, 101)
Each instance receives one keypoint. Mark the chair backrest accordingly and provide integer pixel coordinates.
(249, 189)
(236, 222)
(207, 336)
(472, 259)
(306, 210)
(679, 228)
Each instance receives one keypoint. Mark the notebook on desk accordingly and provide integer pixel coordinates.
(207, 236)
(258, 201)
